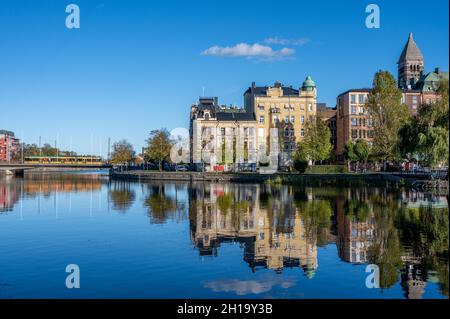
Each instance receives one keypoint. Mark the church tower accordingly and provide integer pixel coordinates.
(410, 65)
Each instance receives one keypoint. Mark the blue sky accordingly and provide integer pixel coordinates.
(134, 66)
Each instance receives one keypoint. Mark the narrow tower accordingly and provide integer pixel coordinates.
(410, 65)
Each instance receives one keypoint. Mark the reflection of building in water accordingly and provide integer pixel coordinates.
(214, 207)
(355, 227)
(415, 199)
(413, 279)
(47, 184)
(9, 195)
(273, 233)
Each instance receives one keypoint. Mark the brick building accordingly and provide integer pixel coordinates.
(9, 146)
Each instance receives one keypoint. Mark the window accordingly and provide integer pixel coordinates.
(354, 133)
(275, 119)
(353, 99)
(302, 132)
(262, 119)
(354, 122)
(261, 107)
(302, 120)
(261, 132)
(310, 107)
(222, 131)
(287, 119)
(353, 110)
(361, 98)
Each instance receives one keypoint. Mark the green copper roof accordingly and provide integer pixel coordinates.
(308, 82)
(431, 81)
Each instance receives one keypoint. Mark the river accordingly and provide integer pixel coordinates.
(218, 240)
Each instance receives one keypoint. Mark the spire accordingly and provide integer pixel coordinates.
(411, 50)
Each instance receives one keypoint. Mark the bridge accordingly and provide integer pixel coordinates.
(19, 169)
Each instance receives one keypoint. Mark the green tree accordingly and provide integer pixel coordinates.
(388, 116)
(300, 158)
(427, 135)
(316, 146)
(122, 153)
(159, 146)
(349, 153)
(362, 151)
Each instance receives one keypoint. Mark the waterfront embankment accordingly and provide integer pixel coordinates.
(317, 180)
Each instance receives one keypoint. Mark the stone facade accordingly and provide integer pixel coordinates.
(281, 116)
(411, 65)
(222, 139)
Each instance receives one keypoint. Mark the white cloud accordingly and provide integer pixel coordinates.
(246, 287)
(250, 51)
(281, 41)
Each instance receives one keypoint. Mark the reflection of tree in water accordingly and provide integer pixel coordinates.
(316, 213)
(358, 210)
(161, 206)
(426, 231)
(122, 196)
(386, 249)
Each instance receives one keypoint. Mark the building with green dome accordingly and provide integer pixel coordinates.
(282, 113)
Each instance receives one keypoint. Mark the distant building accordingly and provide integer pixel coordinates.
(353, 121)
(418, 88)
(410, 65)
(9, 146)
(329, 116)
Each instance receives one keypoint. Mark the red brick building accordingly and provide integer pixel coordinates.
(9, 146)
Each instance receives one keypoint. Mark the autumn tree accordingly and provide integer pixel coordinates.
(159, 145)
(122, 153)
(388, 116)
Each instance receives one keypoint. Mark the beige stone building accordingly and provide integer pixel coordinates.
(222, 138)
(281, 115)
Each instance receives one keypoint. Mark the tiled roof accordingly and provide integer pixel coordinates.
(262, 91)
(411, 50)
(235, 116)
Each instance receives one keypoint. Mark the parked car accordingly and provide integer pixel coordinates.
(168, 167)
(181, 168)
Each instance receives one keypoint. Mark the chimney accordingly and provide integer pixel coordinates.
(436, 70)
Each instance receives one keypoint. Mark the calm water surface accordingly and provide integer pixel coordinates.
(179, 240)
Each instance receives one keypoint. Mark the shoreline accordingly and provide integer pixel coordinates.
(311, 179)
